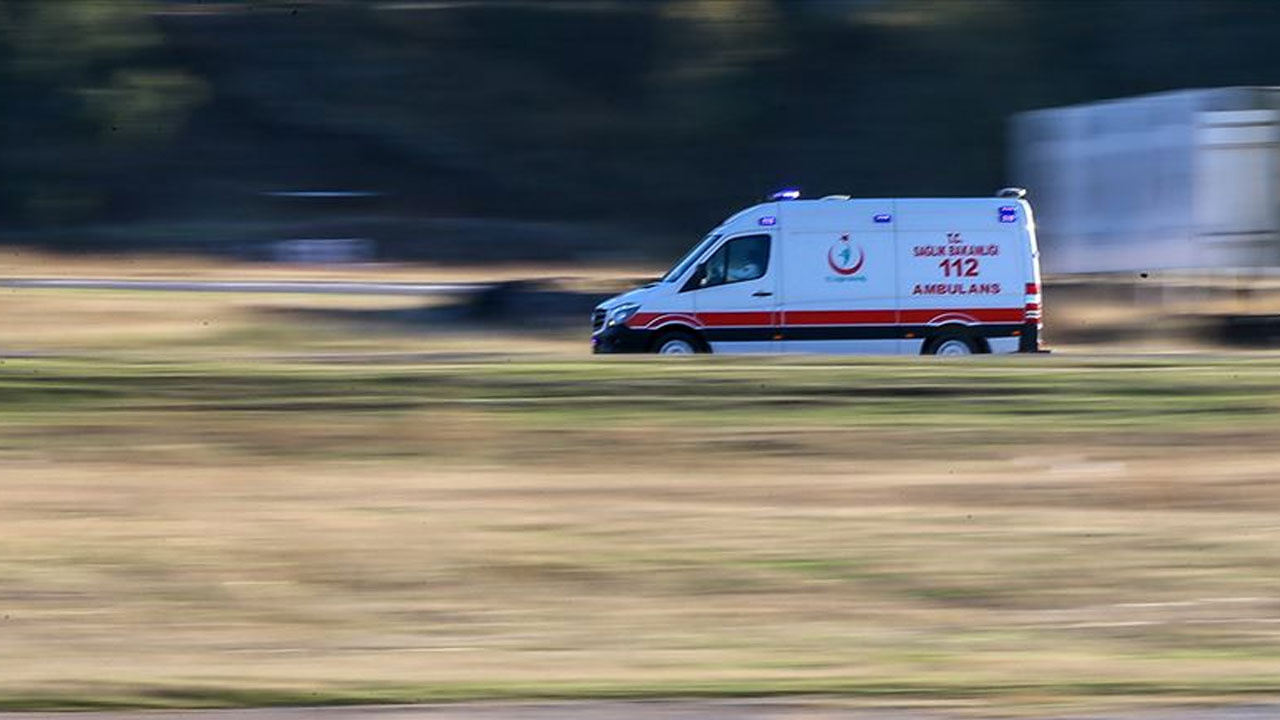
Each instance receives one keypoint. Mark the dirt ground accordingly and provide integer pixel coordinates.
(664, 710)
(179, 533)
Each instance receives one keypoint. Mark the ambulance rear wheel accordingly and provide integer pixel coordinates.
(951, 344)
(677, 343)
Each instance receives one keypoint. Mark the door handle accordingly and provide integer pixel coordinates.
(761, 293)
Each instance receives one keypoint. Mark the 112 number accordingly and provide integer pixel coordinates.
(959, 267)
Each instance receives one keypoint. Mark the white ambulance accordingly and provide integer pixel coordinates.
(933, 276)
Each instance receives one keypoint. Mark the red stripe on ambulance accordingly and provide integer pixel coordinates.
(840, 317)
(802, 318)
(964, 315)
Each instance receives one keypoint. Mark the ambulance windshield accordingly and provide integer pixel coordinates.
(690, 258)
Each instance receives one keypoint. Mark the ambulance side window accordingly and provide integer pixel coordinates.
(738, 260)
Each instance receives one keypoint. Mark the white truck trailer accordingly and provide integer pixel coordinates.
(1184, 180)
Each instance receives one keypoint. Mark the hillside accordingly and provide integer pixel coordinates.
(601, 124)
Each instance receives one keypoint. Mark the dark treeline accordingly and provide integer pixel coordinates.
(658, 116)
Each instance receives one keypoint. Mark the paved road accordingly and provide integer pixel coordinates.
(692, 710)
(322, 287)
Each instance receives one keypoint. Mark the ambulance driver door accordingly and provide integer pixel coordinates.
(735, 295)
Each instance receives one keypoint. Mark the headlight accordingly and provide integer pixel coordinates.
(622, 313)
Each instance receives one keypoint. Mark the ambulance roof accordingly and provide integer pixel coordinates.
(883, 214)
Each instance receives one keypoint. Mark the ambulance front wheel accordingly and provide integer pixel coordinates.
(952, 344)
(677, 342)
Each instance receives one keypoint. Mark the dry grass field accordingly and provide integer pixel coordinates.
(226, 500)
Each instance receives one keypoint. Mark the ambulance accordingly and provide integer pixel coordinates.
(931, 276)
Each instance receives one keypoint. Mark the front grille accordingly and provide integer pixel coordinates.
(597, 321)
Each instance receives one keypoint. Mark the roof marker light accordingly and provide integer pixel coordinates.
(768, 220)
(787, 194)
(882, 218)
(1008, 213)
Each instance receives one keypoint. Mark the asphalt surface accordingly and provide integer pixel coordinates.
(654, 710)
(318, 287)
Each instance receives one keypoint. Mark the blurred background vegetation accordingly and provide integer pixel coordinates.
(555, 130)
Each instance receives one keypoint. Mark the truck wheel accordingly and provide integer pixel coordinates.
(951, 344)
(677, 343)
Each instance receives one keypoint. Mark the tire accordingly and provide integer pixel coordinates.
(952, 344)
(677, 343)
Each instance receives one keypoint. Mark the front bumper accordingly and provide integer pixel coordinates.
(620, 339)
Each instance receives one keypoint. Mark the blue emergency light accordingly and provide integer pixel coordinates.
(788, 194)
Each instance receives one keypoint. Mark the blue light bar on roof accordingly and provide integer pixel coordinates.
(788, 194)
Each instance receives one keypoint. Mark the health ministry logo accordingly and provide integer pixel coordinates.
(845, 260)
